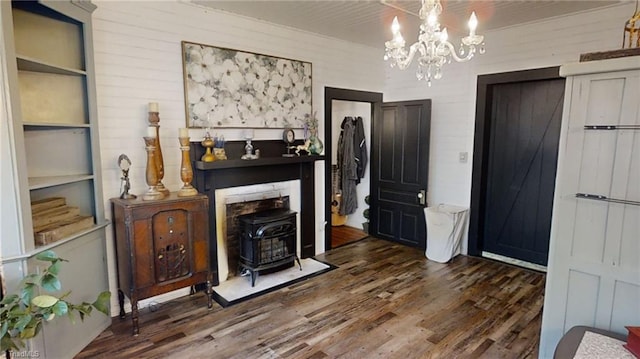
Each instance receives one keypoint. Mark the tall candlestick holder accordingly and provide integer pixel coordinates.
(152, 177)
(154, 120)
(186, 172)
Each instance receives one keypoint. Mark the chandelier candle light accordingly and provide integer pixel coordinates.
(433, 45)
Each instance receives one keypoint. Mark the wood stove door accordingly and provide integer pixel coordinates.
(171, 245)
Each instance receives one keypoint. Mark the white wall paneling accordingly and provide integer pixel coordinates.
(552, 42)
(138, 60)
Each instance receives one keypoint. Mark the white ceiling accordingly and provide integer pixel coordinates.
(367, 22)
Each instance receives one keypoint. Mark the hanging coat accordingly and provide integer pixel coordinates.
(348, 167)
(360, 148)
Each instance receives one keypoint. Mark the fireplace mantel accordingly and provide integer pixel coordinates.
(210, 176)
(264, 161)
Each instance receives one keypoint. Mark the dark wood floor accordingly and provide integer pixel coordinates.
(384, 301)
(341, 235)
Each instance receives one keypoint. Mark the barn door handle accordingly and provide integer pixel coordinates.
(422, 197)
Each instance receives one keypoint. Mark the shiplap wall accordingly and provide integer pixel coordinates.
(138, 60)
(541, 44)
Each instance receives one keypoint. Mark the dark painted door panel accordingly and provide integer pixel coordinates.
(523, 153)
(400, 165)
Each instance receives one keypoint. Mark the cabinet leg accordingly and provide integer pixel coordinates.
(121, 302)
(209, 292)
(134, 317)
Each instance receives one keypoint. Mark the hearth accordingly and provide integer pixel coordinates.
(267, 242)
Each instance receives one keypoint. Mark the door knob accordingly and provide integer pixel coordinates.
(422, 197)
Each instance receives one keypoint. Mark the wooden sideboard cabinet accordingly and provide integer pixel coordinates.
(161, 245)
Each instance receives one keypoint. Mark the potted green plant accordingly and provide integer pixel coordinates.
(365, 213)
(22, 314)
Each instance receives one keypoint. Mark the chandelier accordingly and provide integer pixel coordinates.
(433, 46)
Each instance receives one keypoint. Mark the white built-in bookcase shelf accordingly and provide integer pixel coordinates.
(49, 57)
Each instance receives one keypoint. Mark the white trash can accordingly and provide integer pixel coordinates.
(445, 227)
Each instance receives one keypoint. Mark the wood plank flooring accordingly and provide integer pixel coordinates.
(384, 301)
(341, 235)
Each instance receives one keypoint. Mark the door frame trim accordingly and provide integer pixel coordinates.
(481, 139)
(330, 94)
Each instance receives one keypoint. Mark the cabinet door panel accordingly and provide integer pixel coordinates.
(171, 244)
(143, 250)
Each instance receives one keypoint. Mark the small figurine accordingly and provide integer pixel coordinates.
(125, 163)
(303, 147)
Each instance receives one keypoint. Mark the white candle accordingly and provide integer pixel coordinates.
(183, 132)
(151, 131)
(153, 107)
(473, 24)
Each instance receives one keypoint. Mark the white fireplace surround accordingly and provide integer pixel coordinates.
(239, 194)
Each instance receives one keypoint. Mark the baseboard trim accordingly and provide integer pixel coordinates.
(516, 262)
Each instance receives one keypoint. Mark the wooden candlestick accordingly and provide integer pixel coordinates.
(154, 120)
(152, 177)
(186, 172)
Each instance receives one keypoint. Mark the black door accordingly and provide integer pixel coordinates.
(399, 172)
(525, 120)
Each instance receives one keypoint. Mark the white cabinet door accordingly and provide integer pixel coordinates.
(594, 266)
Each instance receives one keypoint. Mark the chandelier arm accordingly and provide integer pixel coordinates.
(470, 53)
(404, 63)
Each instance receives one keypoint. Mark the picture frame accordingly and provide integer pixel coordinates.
(228, 88)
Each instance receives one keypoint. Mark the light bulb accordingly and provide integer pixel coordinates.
(395, 26)
(433, 18)
(473, 24)
(444, 36)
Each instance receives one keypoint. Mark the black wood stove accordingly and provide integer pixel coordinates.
(267, 242)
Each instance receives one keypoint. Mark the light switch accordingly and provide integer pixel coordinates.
(462, 157)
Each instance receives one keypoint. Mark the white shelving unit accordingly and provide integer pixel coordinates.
(593, 277)
(47, 55)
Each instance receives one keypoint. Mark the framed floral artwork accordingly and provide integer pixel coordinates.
(233, 88)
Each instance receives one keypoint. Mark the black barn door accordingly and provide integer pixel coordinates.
(523, 153)
(399, 172)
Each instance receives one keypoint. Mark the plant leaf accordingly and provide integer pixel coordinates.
(4, 328)
(44, 301)
(102, 303)
(54, 268)
(8, 299)
(47, 256)
(7, 343)
(61, 308)
(27, 293)
(28, 332)
(31, 279)
(72, 317)
(50, 282)
(23, 322)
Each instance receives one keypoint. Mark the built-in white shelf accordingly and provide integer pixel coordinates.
(30, 64)
(44, 182)
(34, 252)
(52, 125)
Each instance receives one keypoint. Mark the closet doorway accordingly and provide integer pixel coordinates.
(344, 105)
